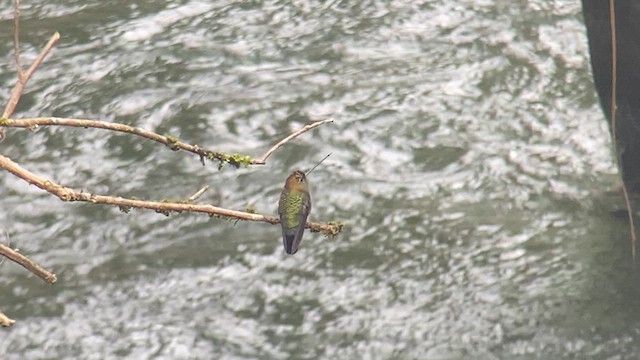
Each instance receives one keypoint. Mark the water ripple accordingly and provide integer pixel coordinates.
(470, 164)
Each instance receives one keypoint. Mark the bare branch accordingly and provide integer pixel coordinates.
(8, 244)
(67, 194)
(18, 88)
(16, 39)
(614, 108)
(43, 53)
(5, 321)
(295, 134)
(27, 263)
(125, 204)
(167, 140)
(195, 196)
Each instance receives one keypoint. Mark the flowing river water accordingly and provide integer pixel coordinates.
(470, 162)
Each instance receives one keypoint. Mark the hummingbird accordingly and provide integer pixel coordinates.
(294, 208)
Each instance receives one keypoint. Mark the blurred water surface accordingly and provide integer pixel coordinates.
(470, 162)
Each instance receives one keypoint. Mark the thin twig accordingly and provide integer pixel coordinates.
(195, 196)
(295, 134)
(43, 53)
(18, 88)
(614, 90)
(6, 233)
(28, 264)
(167, 140)
(21, 82)
(16, 39)
(5, 321)
(67, 194)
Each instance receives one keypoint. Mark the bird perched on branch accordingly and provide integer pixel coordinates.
(294, 208)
